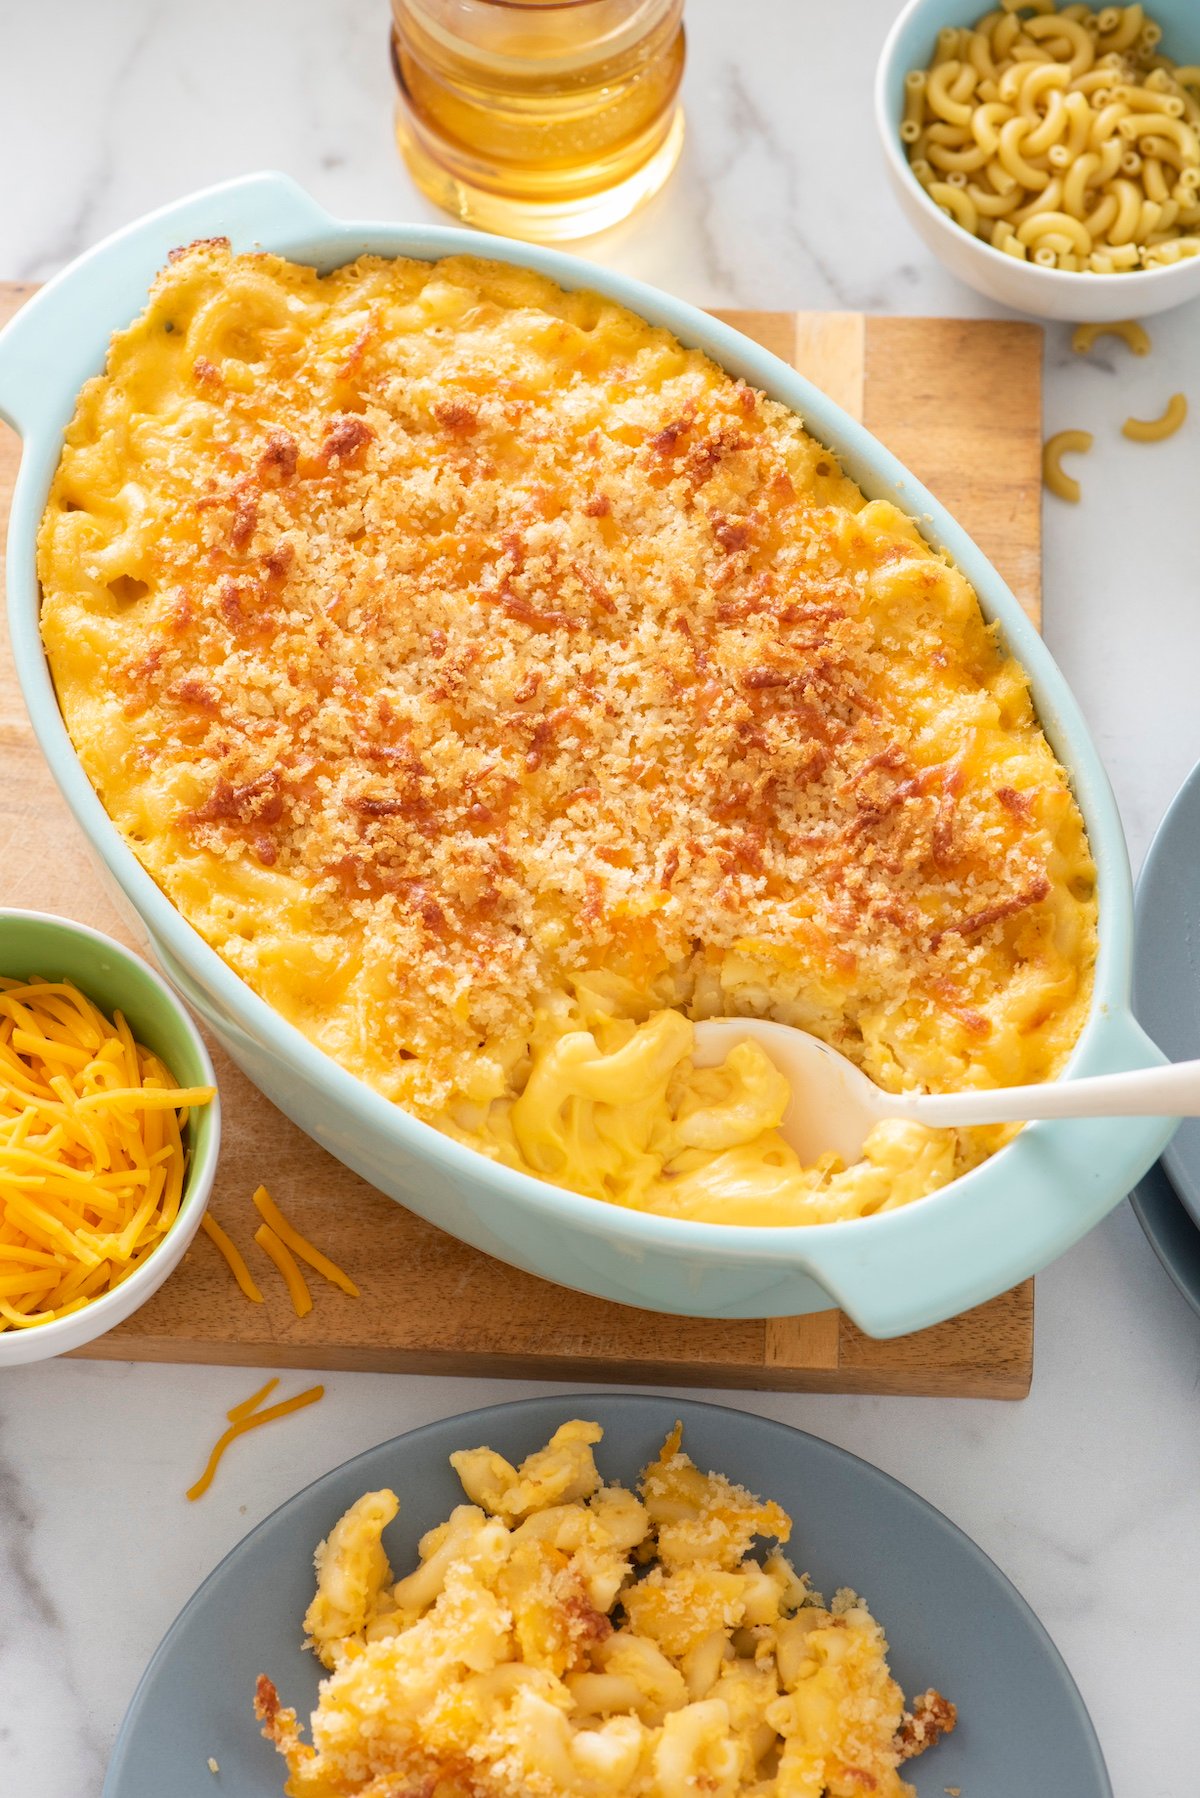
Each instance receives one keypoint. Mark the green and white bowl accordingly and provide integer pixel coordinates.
(33, 942)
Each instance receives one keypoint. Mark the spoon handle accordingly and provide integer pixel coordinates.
(1144, 1092)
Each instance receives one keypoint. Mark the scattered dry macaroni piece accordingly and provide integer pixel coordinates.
(1130, 332)
(233, 1257)
(245, 1417)
(1066, 138)
(562, 1636)
(500, 686)
(1153, 430)
(1055, 477)
(92, 1160)
(300, 1245)
(285, 1261)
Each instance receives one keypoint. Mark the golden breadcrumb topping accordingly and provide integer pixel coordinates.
(437, 637)
(562, 1637)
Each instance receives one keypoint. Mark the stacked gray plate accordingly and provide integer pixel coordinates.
(1166, 998)
(952, 1619)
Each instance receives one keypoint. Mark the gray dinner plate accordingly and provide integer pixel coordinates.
(952, 1618)
(1166, 998)
(1170, 1231)
(1166, 964)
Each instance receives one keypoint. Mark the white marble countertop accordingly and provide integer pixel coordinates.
(1088, 1493)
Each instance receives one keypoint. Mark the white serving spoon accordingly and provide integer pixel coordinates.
(835, 1106)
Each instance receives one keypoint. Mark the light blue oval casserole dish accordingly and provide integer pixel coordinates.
(891, 1273)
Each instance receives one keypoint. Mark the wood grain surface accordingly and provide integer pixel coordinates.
(960, 403)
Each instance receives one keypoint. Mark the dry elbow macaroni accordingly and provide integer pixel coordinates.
(1141, 430)
(1153, 430)
(499, 687)
(1074, 443)
(561, 1637)
(1064, 138)
(1085, 337)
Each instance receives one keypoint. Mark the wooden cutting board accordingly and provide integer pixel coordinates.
(960, 403)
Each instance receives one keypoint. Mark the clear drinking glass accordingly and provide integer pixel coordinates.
(543, 119)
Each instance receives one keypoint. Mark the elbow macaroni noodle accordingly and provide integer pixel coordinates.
(1153, 430)
(561, 1637)
(1085, 337)
(1141, 430)
(1064, 138)
(499, 687)
(1074, 443)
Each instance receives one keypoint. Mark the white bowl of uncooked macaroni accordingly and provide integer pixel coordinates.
(1049, 154)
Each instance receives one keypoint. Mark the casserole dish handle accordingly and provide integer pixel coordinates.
(45, 349)
(942, 1259)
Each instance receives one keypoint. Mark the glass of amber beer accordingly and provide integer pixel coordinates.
(542, 119)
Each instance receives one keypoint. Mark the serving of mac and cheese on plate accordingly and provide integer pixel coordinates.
(564, 1635)
(499, 687)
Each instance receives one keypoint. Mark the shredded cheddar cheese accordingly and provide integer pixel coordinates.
(253, 1402)
(246, 1417)
(274, 1219)
(92, 1162)
(233, 1257)
(286, 1262)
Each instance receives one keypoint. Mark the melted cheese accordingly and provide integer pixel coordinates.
(564, 1638)
(498, 686)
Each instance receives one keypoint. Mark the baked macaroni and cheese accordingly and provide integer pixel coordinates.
(564, 1636)
(499, 686)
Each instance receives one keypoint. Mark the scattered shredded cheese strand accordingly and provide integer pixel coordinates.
(285, 1261)
(92, 1163)
(300, 1245)
(253, 1402)
(250, 1420)
(233, 1256)
(146, 1098)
